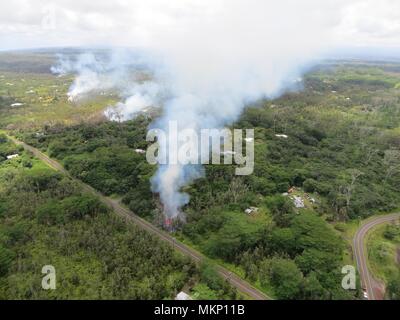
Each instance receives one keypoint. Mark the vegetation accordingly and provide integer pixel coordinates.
(46, 219)
(384, 257)
(341, 155)
(31, 97)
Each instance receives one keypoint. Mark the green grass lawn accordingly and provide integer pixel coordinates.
(382, 254)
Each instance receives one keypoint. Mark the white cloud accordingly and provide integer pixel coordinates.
(370, 23)
(25, 23)
(219, 54)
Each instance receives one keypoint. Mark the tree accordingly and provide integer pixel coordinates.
(348, 190)
(310, 185)
(393, 288)
(203, 292)
(391, 162)
(238, 234)
(249, 266)
(391, 232)
(286, 278)
(3, 138)
(283, 240)
(282, 210)
(311, 232)
(50, 213)
(77, 207)
(236, 190)
(317, 260)
(209, 275)
(312, 288)
(6, 258)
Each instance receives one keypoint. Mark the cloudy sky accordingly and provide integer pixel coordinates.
(44, 23)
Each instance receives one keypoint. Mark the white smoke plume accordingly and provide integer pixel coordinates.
(217, 57)
(92, 75)
(229, 55)
(106, 72)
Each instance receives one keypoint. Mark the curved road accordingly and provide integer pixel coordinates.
(361, 255)
(129, 216)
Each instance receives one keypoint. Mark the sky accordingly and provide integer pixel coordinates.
(145, 23)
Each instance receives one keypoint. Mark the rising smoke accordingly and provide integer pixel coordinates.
(120, 72)
(215, 61)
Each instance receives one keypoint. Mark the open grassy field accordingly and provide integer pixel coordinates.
(384, 252)
(32, 97)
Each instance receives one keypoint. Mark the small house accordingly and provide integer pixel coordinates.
(13, 156)
(251, 210)
(183, 296)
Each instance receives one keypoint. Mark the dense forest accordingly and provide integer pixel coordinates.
(335, 144)
(46, 219)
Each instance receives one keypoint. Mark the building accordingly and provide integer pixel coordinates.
(13, 156)
(298, 202)
(251, 210)
(183, 296)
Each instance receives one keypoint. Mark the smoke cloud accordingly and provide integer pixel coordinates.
(230, 55)
(120, 72)
(214, 60)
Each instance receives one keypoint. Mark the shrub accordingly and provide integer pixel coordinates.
(6, 258)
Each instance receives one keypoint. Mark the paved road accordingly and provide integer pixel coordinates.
(128, 215)
(368, 282)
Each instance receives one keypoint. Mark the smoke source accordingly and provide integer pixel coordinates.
(216, 58)
(106, 72)
(228, 55)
